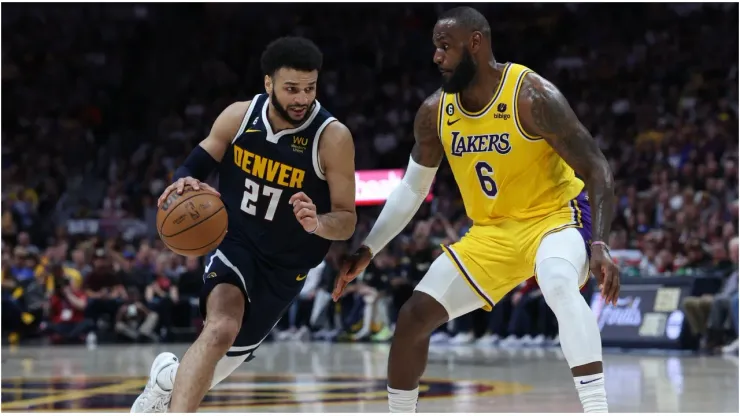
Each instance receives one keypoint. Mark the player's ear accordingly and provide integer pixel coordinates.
(475, 41)
(268, 84)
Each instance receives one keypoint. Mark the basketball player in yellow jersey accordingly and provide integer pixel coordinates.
(513, 144)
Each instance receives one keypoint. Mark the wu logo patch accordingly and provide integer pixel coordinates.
(299, 144)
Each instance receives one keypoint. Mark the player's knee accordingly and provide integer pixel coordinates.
(421, 315)
(558, 280)
(221, 331)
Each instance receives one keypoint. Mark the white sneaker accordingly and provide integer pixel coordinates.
(489, 339)
(509, 342)
(284, 335)
(462, 338)
(302, 334)
(91, 340)
(538, 341)
(731, 348)
(155, 399)
(555, 342)
(439, 338)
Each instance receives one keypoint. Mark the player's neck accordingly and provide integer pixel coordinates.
(484, 85)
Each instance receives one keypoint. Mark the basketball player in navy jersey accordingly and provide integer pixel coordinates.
(286, 176)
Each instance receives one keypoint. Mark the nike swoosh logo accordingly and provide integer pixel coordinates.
(590, 381)
(252, 131)
(300, 277)
(449, 123)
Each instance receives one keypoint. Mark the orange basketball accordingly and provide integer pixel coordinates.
(192, 223)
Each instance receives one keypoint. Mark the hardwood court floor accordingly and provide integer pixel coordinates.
(322, 377)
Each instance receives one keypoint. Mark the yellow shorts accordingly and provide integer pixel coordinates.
(494, 259)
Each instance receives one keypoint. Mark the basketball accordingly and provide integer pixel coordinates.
(192, 223)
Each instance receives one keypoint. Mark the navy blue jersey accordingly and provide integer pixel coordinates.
(259, 173)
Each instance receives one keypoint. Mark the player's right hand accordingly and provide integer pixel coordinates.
(351, 267)
(179, 186)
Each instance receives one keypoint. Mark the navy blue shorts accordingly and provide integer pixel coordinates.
(268, 291)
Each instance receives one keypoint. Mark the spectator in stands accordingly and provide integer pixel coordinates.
(67, 309)
(377, 278)
(497, 323)
(162, 295)
(732, 347)
(135, 321)
(192, 279)
(36, 293)
(325, 313)
(24, 265)
(13, 304)
(299, 317)
(80, 263)
(708, 314)
(720, 315)
(105, 292)
(525, 301)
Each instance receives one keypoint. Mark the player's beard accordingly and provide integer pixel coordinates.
(462, 76)
(283, 111)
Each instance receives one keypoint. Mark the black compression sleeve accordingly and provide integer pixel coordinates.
(198, 165)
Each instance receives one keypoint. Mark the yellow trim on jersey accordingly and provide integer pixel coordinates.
(441, 114)
(469, 279)
(493, 99)
(517, 123)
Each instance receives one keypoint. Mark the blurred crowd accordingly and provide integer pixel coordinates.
(108, 99)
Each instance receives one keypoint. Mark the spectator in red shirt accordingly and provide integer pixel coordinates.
(67, 310)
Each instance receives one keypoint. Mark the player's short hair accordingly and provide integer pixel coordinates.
(291, 52)
(468, 18)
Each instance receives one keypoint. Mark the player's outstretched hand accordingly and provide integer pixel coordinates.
(180, 184)
(351, 267)
(305, 211)
(606, 272)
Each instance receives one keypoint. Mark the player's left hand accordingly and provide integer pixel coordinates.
(606, 272)
(305, 212)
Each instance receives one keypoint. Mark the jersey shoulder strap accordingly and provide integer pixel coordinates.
(323, 119)
(257, 102)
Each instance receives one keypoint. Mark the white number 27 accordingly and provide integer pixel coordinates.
(251, 194)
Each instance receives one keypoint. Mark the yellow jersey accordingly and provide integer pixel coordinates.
(502, 171)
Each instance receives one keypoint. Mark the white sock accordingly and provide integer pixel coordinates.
(592, 393)
(402, 401)
(166, 377)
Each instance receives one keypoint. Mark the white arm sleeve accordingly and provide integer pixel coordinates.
(401, 205)
(313, 278)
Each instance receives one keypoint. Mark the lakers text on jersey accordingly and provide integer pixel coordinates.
(514, 186)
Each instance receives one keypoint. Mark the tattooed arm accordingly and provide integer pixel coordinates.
(428, 150)
(408, 196)
(544, 111)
